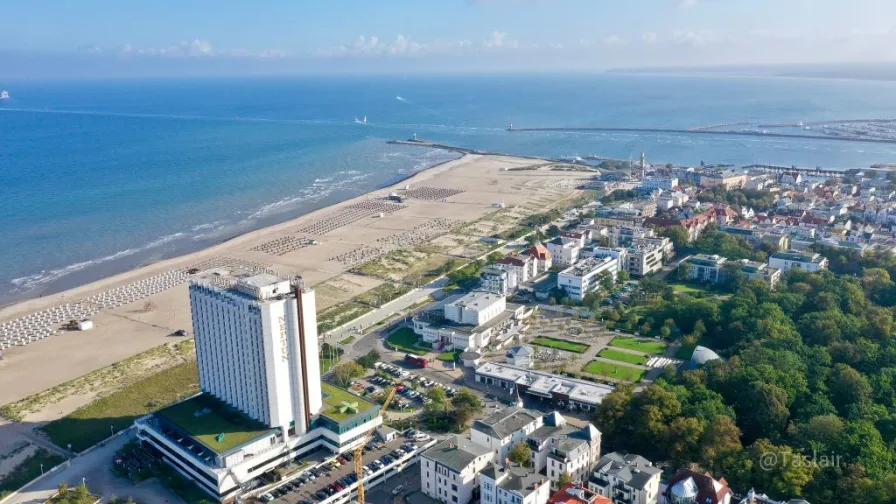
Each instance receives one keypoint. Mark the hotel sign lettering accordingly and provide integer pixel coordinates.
(284, 348)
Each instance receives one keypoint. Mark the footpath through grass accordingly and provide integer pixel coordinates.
(645, 346)
(561, 344)
(117, 411)
(619, 372)
(405, 340)
(28, 470)
(618, 355)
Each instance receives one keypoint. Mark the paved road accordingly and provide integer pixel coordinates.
(95, 468)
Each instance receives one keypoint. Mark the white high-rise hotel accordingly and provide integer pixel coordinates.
(257, 327)
(262, 403)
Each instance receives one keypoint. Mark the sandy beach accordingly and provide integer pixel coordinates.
(448, 208)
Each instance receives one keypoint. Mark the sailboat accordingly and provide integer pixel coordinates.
(361, 121)
(4, 95)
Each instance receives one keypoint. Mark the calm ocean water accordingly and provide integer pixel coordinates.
(100, 177)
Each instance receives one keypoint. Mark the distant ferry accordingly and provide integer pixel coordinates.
(4, 95)
(361, 121)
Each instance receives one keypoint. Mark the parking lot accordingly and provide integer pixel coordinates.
(405, 382)
(333, 478)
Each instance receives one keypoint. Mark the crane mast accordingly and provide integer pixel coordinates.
(359, 451)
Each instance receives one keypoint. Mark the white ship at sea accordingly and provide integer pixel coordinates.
(4, 95)
(361, 121)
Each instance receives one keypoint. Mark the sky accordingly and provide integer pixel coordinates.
(47, 38)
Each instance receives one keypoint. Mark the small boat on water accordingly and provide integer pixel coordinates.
(4, 95)
(361, 121)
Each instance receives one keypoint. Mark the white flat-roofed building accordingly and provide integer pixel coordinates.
(561, 392)
(256, 349)
(475, 308)
(645, 256)
(498, 280)
(584, 277)
(449, 471)
(262, 402)
(654, 183)
(785, 261)
(440, 327)
(564, 251)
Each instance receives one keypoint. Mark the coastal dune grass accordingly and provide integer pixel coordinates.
(561, 344)
(618, 355)
(117, 411)
(619, 372)
(648, 347)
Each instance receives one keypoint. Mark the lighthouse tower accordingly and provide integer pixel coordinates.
(643, 165)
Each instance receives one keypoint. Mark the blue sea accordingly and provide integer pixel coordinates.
(98, 177)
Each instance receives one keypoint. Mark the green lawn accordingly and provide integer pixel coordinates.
(449, 356)
(620, 372)
(206, 419)
(685, 288)
(648, 347)
(405, 340)
(618, 355)
(91, 424)
(346, 341)
(335, 398)
(326, 364)
(561, 344)
(28, 470)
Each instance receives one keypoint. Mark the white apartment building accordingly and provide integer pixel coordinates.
(254, 325)
(559, 448)
(785, 261)
(645, 255)
(626, 479)
(449, 470)
(564, 251)
(513, 485)
(505, 428)
(256, 346)
(522, 267)
(584, 277)
(498, 280)
(475, 308)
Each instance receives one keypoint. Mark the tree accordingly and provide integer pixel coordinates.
(720, 444)
(520, 454)
(847, 387)
(605, 280)
(622, 276)
(682, 440)
(553, 231)
(466, 405)
(678, 235)
(369, 359)
(439, 398)
(779, 469)
(344, 373)
(565, 479)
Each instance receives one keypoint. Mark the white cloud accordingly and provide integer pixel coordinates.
(272, 53)
(686, 4)
(199, 48)
(649, 38)
(613, 40)
(692, 37)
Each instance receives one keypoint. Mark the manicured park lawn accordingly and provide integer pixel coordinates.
(648, 347)
(560, 344)
(449, 356)
(114, 412)
(406, 340)
(620, 372)
(685, 288)
(617, 355)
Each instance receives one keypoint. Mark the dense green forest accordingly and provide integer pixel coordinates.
(803, 402)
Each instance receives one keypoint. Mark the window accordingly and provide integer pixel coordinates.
(454, 488)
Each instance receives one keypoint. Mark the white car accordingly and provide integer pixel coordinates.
(397, 490)
(267, 497)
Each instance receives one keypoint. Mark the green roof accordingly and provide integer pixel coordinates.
(340, 404)
(214, 424)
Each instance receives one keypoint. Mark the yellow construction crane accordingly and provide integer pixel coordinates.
(359, 451)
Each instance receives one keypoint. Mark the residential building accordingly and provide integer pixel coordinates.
(449, 471)
(623, 236)
(702, 268)
(471, 322)
(785, 261)
(256, 347)
(626, 479)
(583, 278)
(760, 271)
(695, 225)
(690, 487)
(646, 255)
(505, 484)
(577, 493)
(565, 251)
(522, 267)
(543, 259)
(559, 448)
(505, 428)
(498, 280)
(559, 392)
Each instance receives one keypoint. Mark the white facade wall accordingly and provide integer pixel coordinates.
(445, 484)
(787, 263)
(250, 352)
(492, 493)
(577, 286)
